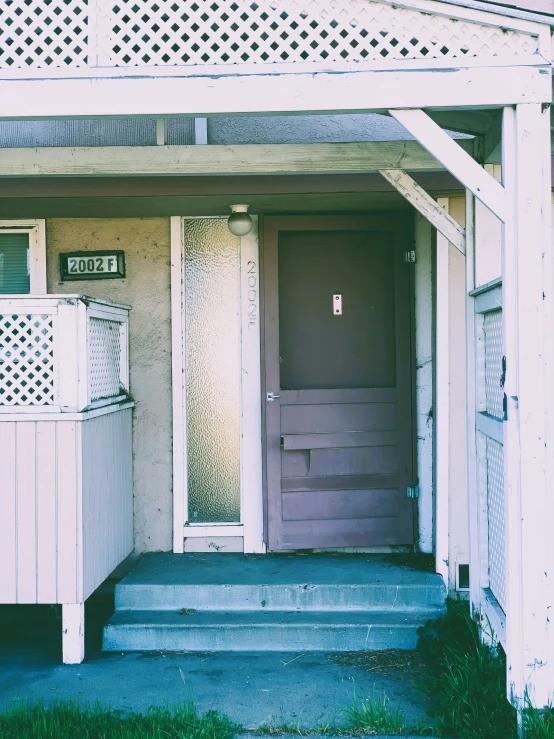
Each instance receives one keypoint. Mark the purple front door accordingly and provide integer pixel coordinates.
(338, 360)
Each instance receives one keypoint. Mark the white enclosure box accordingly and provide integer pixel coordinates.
(66, 503)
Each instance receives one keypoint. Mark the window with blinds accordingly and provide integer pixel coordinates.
(14, 264)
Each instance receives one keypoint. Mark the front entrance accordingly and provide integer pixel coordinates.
(338, 381)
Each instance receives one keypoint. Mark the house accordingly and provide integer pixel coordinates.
(364, 367)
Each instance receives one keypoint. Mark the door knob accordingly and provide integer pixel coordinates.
(270, 396)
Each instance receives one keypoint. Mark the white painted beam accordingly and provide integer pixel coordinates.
(201, 92)
(457, 162)
(217, 160)
(424, 203)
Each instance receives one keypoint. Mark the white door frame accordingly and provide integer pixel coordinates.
(251, 490)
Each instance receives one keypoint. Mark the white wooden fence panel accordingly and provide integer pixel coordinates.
(66, 505)
(107, 496)
(8, 578)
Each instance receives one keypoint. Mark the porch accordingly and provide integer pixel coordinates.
(424, 64)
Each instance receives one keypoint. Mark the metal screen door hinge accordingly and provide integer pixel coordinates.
(410, 256)
(412, 491)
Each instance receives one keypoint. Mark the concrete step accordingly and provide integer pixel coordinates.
(259, 631)
(278, 583)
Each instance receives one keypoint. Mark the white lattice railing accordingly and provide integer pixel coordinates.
(62, 353)
(143, 33)
(490, 457)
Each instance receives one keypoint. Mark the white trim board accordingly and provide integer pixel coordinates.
(177, 383)
(424, 378)
(251, 484)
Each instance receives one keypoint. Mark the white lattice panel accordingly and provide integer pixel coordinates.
(104, 358)
(496, 513)
(43, 33)
(494, 392)
(26, 360)
(56, 33)
(181, 32)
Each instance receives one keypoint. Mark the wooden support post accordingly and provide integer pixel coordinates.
(442, 403)
(73, 633)
(528, 292)
(475, 589)
(425, 204)
(451, 155)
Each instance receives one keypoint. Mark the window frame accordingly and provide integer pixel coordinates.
(36, 228)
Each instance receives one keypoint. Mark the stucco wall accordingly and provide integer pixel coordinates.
(147, 289)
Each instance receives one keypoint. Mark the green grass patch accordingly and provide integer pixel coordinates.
(467, 690)
(68, 720)
(538, 724)
(372, 716)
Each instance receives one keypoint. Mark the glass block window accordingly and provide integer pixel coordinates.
(15, 273)
(212, 357)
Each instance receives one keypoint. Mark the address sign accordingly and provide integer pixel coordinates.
(92, 265)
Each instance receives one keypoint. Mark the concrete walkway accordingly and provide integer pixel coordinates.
(305, 690)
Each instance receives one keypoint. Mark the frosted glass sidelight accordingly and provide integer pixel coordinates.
(212, 354)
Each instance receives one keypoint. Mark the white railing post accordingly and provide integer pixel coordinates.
(124, 353)
(83, 351)
(66, 356)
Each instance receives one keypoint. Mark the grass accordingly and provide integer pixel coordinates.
(467, 690)
(372, 716)
(368, 716)
(68, 720)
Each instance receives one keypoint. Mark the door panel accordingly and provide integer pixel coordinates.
(308, 419)
(317, 348)
(357, 461)
(322, 504)
(339, 444)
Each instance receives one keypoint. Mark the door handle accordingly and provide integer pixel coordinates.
(270, 396)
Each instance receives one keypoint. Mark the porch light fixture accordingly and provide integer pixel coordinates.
(239, 222)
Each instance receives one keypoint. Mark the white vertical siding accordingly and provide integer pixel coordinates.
(8, 545)
(38, 551)
(67, 474)
(47, 580)
(26, 475)
(107, 496)
(66, 505)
